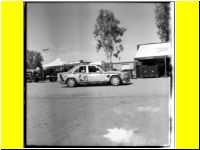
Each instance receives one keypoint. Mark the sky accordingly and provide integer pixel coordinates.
(66, 29)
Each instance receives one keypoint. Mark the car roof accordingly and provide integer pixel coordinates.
(86, 65)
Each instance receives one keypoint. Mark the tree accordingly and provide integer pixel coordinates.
(162, 16)
(108, 34)
(34, 59)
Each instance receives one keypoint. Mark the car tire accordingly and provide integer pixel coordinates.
(71, 82)
(115, 80)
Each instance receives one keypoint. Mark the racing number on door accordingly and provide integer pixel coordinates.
(83, 77)
(82, 74)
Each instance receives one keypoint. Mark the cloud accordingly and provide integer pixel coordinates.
(94, 43)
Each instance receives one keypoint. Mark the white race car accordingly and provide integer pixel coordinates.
(92, 74)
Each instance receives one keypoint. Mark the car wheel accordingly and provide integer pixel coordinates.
(115, 80)
(71, 83)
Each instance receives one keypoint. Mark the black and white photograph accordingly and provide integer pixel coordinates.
(99, 74)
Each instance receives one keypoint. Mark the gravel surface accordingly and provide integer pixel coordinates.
(102, 115)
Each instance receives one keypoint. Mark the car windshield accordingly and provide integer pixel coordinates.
(72, 69)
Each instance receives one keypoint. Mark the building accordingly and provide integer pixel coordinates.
(154, 60)
(128, 66)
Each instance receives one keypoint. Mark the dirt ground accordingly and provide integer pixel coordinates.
(129, 115)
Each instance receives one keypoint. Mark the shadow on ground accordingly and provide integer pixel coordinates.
(94, 85)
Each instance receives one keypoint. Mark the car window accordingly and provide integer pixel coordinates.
(101, 67)
(93, 69)
(81, 69)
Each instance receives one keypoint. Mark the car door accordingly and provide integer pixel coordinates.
(81, 74)
(95, 74)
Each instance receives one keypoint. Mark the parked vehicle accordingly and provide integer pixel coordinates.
(92, 74)
(33, 75)
(50, 74)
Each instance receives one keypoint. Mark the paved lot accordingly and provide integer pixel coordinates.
(135, 114)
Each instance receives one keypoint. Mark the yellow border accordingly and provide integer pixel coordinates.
(12, 75)
(187, 74)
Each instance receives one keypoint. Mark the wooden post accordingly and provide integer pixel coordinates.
(165, 67)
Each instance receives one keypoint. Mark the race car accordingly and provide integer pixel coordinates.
(92, 74)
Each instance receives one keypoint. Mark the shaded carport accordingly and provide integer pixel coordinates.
(152, 55)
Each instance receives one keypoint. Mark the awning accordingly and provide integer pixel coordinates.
(56, 62)
(151, 51)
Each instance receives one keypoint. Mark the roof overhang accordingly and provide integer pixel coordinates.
(153, 51)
